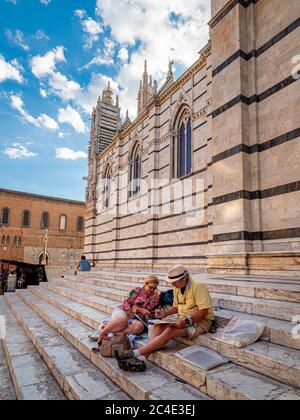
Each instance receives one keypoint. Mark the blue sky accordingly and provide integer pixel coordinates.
(56, 56)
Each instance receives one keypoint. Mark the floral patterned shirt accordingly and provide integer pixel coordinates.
(139, 298)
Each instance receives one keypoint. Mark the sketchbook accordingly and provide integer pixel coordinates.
(172, 319)
(202, 357)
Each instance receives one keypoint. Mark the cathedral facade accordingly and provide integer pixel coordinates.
(208, 174)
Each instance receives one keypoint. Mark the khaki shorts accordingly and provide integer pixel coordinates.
(198, 329)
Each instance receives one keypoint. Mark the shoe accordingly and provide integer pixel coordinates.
(132, 365)
(125, 355)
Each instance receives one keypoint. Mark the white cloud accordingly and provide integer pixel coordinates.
(43, 93)
(123, 55)
(104, 56)
(40, 35)
(72, 117)
(43, 121)
(10, 71)
(43, 66)
(90, 27)
(18, 151)
(45, 2)
(17, 38)
(69, 154)
(161, 29)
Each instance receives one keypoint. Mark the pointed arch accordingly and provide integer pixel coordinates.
(80, 224)
(5, 216)
(26, 216)
(107, 186)
(182, 143)
(63, 221)
(45, 221)
(135, 170)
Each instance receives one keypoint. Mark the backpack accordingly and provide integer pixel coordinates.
(166, 298)
(111, 346)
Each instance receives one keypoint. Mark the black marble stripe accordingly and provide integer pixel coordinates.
(174, 231)
(201, 80)
(159, 151)
(256, 148)
(259, 194)
(244, 3)
(255, 98)
(160, 126)
(258, 236)
(200, 148)
(178, 258)
(200, 96)
(200, 125)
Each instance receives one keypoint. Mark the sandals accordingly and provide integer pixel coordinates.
(129, 363)
(132, 365)
(125, 355)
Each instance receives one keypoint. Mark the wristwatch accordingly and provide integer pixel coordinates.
(188, 321)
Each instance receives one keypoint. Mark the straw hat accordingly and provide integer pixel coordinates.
(176, 273)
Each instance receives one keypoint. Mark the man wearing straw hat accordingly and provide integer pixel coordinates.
(193, 304)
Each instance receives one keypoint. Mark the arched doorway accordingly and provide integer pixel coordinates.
(41, 258)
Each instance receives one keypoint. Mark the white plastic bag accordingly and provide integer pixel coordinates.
(240, 332)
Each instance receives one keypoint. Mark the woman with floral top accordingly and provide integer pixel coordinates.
(141, 301)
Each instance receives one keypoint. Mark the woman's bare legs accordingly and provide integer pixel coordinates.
(136, 328)
(118, 324)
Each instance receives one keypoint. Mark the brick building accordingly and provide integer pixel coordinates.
(24, 219)
(231, 122)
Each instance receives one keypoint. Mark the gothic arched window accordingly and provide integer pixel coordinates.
(63, 222)
(135, 173)
(45, 220)
(80, 224)
(182, 154)
(26, 219)
(17, 241)
(107, 187)
(5, 215)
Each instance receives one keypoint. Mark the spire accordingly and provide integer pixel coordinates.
(127, 121)
(145, 76)
(117, 101)
(107, 95)
(170, 76)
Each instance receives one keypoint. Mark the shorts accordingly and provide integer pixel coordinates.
(118, 313)
(198, 329)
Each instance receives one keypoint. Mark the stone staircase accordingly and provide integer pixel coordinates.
(48, 355)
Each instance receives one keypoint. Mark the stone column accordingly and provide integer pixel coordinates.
(233, 132)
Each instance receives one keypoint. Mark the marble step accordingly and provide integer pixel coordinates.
(288, 293)
(268, 278)
(75, 374)
(286, 311)
(277, 331)
(228, 382)
(271, 360)
(233, 379)
(257, 362)
(31, 377)
(154, 384)
(7, 392)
